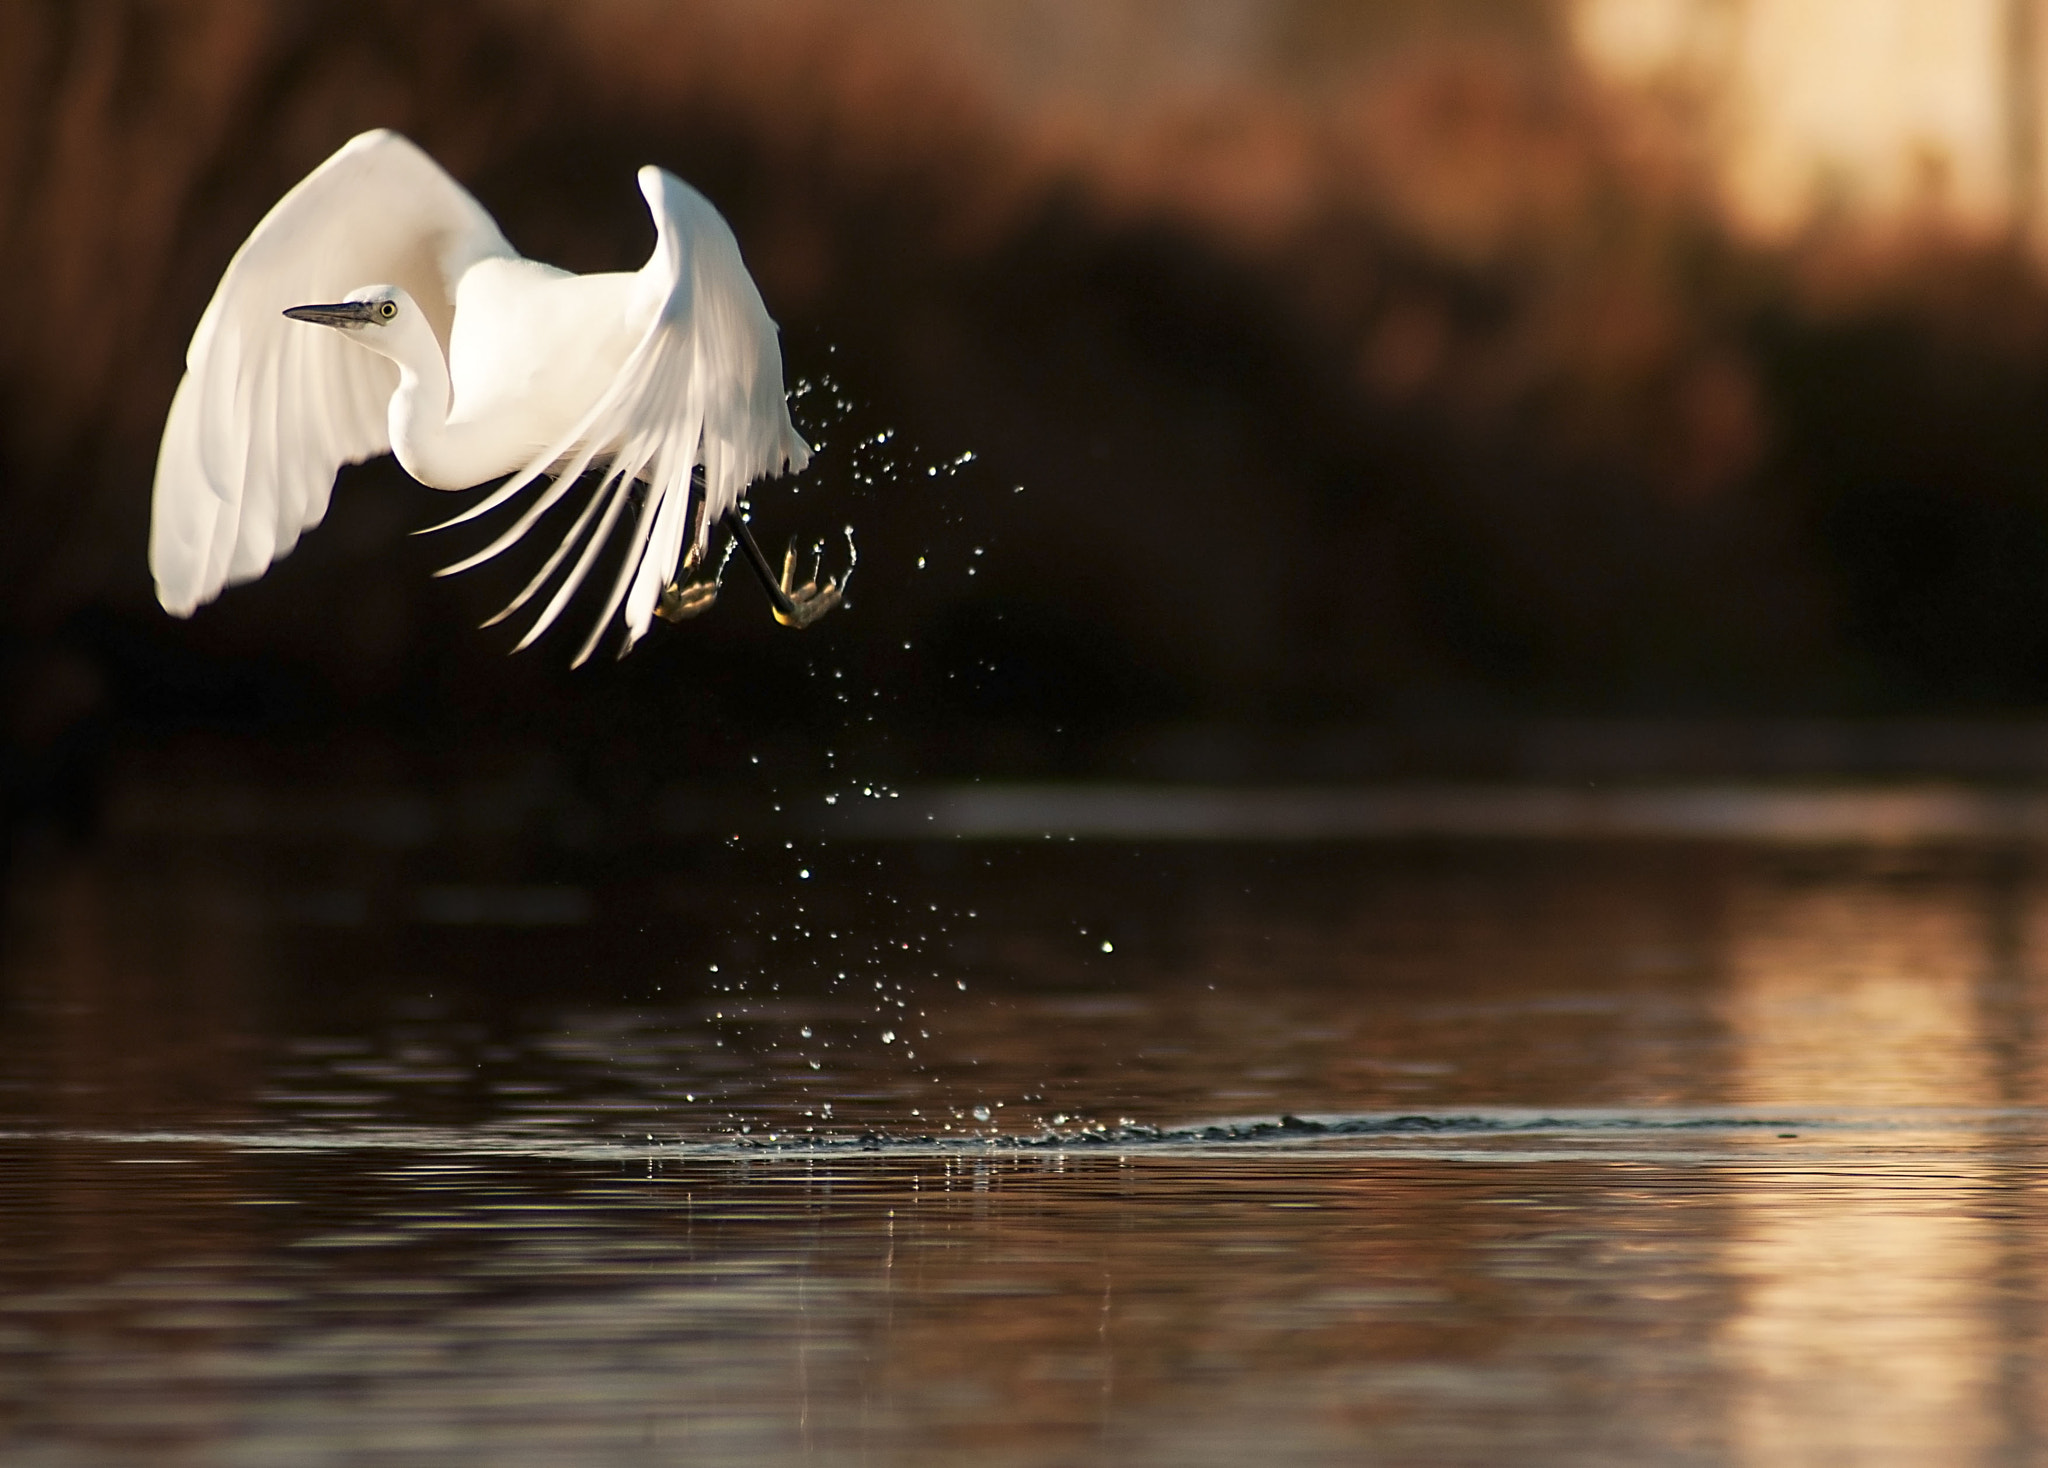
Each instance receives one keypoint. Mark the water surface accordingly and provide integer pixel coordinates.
(1023, 1152)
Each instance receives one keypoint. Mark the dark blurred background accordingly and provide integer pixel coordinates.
(1225, 389)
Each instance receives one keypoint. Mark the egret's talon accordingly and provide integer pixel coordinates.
(680, 602)
(795, 606)
(809, 602)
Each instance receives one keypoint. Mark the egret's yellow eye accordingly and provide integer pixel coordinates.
(388, 310)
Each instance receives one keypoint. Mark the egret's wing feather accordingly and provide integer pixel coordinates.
(270, 408)
(702, 388)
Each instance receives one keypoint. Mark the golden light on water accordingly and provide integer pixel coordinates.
(1864, 1323)
(1864, 1318)
(1858, 993)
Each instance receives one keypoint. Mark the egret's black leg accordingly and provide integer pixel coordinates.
(795, 606)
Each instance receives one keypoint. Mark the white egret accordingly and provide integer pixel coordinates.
(377, 308)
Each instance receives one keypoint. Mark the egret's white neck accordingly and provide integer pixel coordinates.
(436, 452)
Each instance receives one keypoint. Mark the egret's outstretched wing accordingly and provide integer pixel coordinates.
(269, 409)
(701, 389)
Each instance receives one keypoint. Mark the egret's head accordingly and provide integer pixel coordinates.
(387, 321)
(374, 306)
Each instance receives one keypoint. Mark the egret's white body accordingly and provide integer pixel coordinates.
(467, 362)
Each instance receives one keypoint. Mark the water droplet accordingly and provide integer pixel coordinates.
(805, 873)
(981, 1113)
(1107, 946)
(888, 1037)
(806, 1032)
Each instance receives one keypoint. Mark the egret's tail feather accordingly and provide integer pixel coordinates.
(615, 497)
(560, 554)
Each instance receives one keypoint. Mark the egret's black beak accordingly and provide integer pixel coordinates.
(347, 314)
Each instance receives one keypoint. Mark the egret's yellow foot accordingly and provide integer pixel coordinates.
(681, 602)
(809, 601)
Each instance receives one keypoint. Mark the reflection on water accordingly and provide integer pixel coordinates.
(1868, 1320)
(1900, 967)
(1611, 1154)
